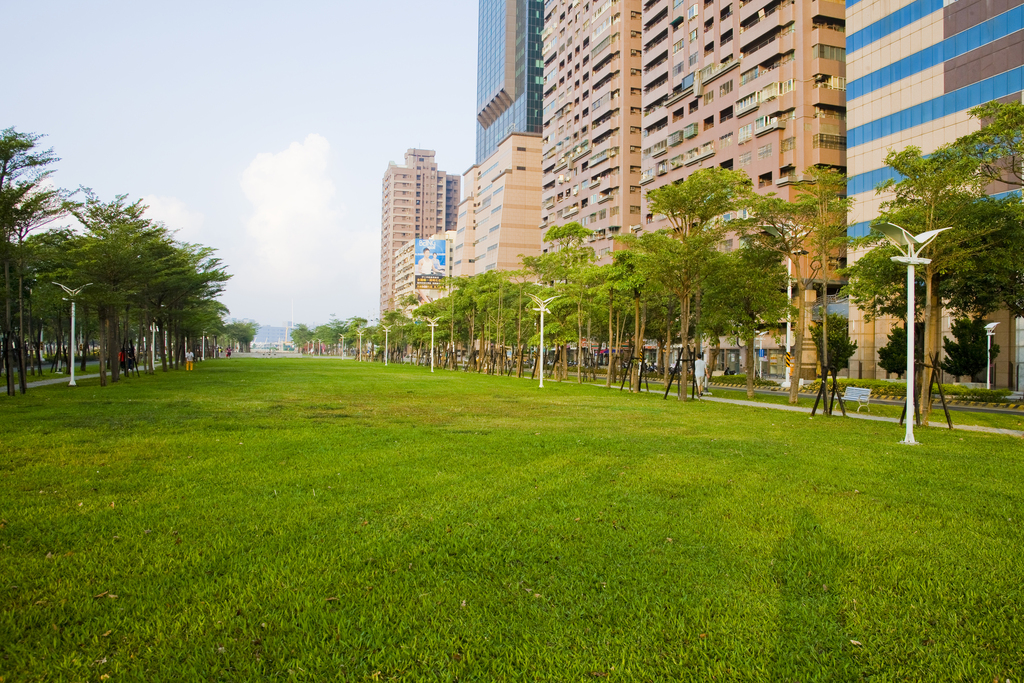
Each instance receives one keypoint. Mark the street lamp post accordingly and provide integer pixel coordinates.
(72, 293)
(760, 352)
(990, 331)
(910, 246)
(386, 330)
(433, 323)
(359, 355)
(789, 321)
(342, 346)
(542, 308)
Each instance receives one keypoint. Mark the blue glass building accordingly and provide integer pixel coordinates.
(510, 72)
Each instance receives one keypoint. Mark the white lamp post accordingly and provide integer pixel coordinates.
(910, 246)
(760, 352)
(359, 356)
(542, 308)
(72, 293)
(342, 346)
(433, 323)
(386, 330)
(990, 331)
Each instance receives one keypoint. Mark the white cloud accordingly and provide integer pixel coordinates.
(176, 215)
(299, 243)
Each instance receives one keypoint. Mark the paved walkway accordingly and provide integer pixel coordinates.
(58, 380)
(858, 416)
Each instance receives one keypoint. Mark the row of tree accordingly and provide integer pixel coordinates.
(135, 283)
(685, 284)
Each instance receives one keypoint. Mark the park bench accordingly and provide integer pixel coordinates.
(859, 394)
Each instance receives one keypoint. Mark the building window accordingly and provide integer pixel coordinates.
(744, 159)
(725, 141)
(828, 52)
(725, 89)
(765, 151)
(746, 132)
(789, 144)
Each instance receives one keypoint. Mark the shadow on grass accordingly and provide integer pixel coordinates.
(811, 642)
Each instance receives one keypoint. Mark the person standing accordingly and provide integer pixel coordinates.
(700, 373)
(189, 359)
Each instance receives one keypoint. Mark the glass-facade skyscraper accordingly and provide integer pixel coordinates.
(510, 76)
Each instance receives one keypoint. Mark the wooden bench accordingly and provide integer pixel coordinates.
(859, 394)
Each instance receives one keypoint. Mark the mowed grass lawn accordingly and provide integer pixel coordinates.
(326, 520)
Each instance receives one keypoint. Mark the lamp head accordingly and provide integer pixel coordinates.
(990, 328)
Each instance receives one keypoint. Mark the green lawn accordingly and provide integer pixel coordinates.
(325, 520)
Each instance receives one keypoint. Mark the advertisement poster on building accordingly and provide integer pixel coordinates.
(430, 263)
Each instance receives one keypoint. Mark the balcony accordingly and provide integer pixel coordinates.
(580, 150)
(571, 211)
(677, 161)
(657, 149)
(647, 176)
(710, 73)
(690, 131)
(747, 104)
(766, 124)
(661, 168)
(603, 155)
(675, 139)
(695, 155)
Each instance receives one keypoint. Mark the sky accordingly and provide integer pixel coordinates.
(261, 129)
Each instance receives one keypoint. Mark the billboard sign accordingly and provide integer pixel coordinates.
(430, 263)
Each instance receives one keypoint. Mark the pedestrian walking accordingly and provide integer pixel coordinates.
(700, 373)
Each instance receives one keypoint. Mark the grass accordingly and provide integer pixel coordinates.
(299, 520)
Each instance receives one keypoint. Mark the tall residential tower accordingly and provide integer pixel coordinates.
(417, 201)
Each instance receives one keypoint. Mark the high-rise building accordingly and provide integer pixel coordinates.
(497, 221)
(510, 73)
(592, 116)
(753, 85)
(915, 69)
(417, 201)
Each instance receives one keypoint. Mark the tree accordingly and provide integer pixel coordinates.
(840, 348)
(567, 265)
(113, 255)
(242, 333)
(810, 231)
(26, 203)
(969, 354)
(694, 209)
(745, 293)
(999, 145)
(941, 190)
(893, 356)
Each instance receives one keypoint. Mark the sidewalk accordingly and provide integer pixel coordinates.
(802, 409)
(59, 380)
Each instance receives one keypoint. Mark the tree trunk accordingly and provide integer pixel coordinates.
(103, 346)
(750, 368)
(684, 346)
(611, 339)
(798, 348)
(932, 333)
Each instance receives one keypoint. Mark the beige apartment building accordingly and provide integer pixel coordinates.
(418, 201)
(497, 221)
(751, 85)
(592, 117)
